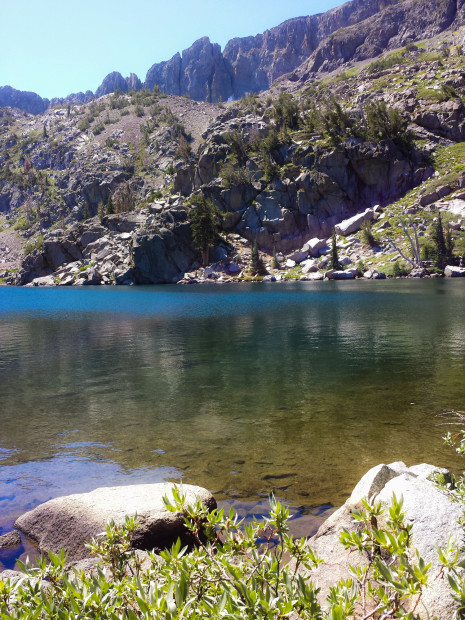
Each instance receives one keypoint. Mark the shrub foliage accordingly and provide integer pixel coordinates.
(236, 571)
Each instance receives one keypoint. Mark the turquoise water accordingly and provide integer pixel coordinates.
(293, 388)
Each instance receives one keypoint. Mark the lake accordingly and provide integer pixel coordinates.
(246, 389)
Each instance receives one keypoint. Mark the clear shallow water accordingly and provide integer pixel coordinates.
(244, 389)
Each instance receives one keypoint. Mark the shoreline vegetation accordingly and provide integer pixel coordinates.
(384, 554)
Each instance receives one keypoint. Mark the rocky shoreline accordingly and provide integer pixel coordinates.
(155, 246)
(69, 522)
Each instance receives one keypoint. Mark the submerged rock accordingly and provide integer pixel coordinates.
(11, 539)
(71, 521)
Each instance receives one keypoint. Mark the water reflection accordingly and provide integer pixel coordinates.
(295, 389)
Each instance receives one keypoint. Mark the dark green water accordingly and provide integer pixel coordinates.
(244, 389)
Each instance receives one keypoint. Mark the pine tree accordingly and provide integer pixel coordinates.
(204, 226)
(449, 242)
(334, 257)
(440, 253)
(100, 210)
(256, 263)
(274, 260)
(254, 258)
(110, 207)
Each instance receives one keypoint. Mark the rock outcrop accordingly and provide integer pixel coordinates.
(431, 512)
(163, 257)
(201, 72)
(454, 272)
(115, 81)
(71, 521)
(73, 99)
(11, 539)
(112, 82)
(328, 187)
(24, 100)
(299, 48)
(388, 25)
(134, 248)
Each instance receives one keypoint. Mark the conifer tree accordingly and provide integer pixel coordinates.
(204, 226)
(274, 260)
(334, 257)
(440, 253)
(256, 263)
(110, 207)
(449, 241)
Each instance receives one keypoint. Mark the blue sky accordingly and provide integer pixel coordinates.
(55, 47)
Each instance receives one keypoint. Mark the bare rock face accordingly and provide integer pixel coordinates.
(133, 82)
(73, 99)
(204, 71)
(251, 64)
(166, 75)
(71, 521)
(113, 81)
(383, 25)
(201, 72)
(11, 539)
(430, 511)
(163, 257)
(24, 100)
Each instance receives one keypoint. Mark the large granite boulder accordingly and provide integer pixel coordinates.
(430, 511)
(71, 521)
(343, 275)
(162, 258)
(454, 272)
(354, 223)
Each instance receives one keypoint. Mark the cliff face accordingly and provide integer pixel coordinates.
(258, 61)
(393, 26)
(299, 48)
(115, 81)
(303, 46)
(24, 100)
(201, 72)
(251, 64)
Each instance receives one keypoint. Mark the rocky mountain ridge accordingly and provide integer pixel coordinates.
(397, 24)
(300, 49)
(107, 191)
